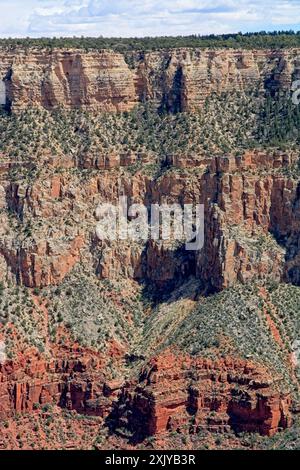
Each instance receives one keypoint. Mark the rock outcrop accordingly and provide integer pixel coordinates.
(71, 378)
(181, 394)
(174, 393)
(176, 80)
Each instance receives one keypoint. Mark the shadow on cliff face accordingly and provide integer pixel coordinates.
(159, 267)
(166, 269)
(273, 82)
(292, 274)
(172, 98)
(131, 417)
(5, 93)
(284, 226)
(293, 244)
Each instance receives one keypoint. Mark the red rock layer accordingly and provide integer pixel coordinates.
(180, 393)
(70, 377)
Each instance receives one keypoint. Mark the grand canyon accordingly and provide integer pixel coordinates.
(145, 345)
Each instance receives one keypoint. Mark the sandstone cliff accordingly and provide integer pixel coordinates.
(247, 199)
(176, 80)
(216, 396)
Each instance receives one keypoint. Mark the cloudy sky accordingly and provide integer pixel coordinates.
(144, 17)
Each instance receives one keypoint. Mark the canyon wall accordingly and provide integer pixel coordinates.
(251, 230)
(174, 393)
(176, 80)
(47, 230)
(65, 380)
(248, 199)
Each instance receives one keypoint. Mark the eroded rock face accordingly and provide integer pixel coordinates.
(174, 393)
(246, 198)
(72, 378)
(248, 201)
(178, 393)
(68, 78)
(176, 80)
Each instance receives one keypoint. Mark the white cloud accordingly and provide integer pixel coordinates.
(144, 17)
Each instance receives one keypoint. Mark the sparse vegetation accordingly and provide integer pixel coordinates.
(227, 123)
(230, 323)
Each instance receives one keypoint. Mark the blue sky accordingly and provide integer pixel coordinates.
(144, 17)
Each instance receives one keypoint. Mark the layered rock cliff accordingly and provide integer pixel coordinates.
(215, 396)
(247, 198)
(177, 80)
(248, 201)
